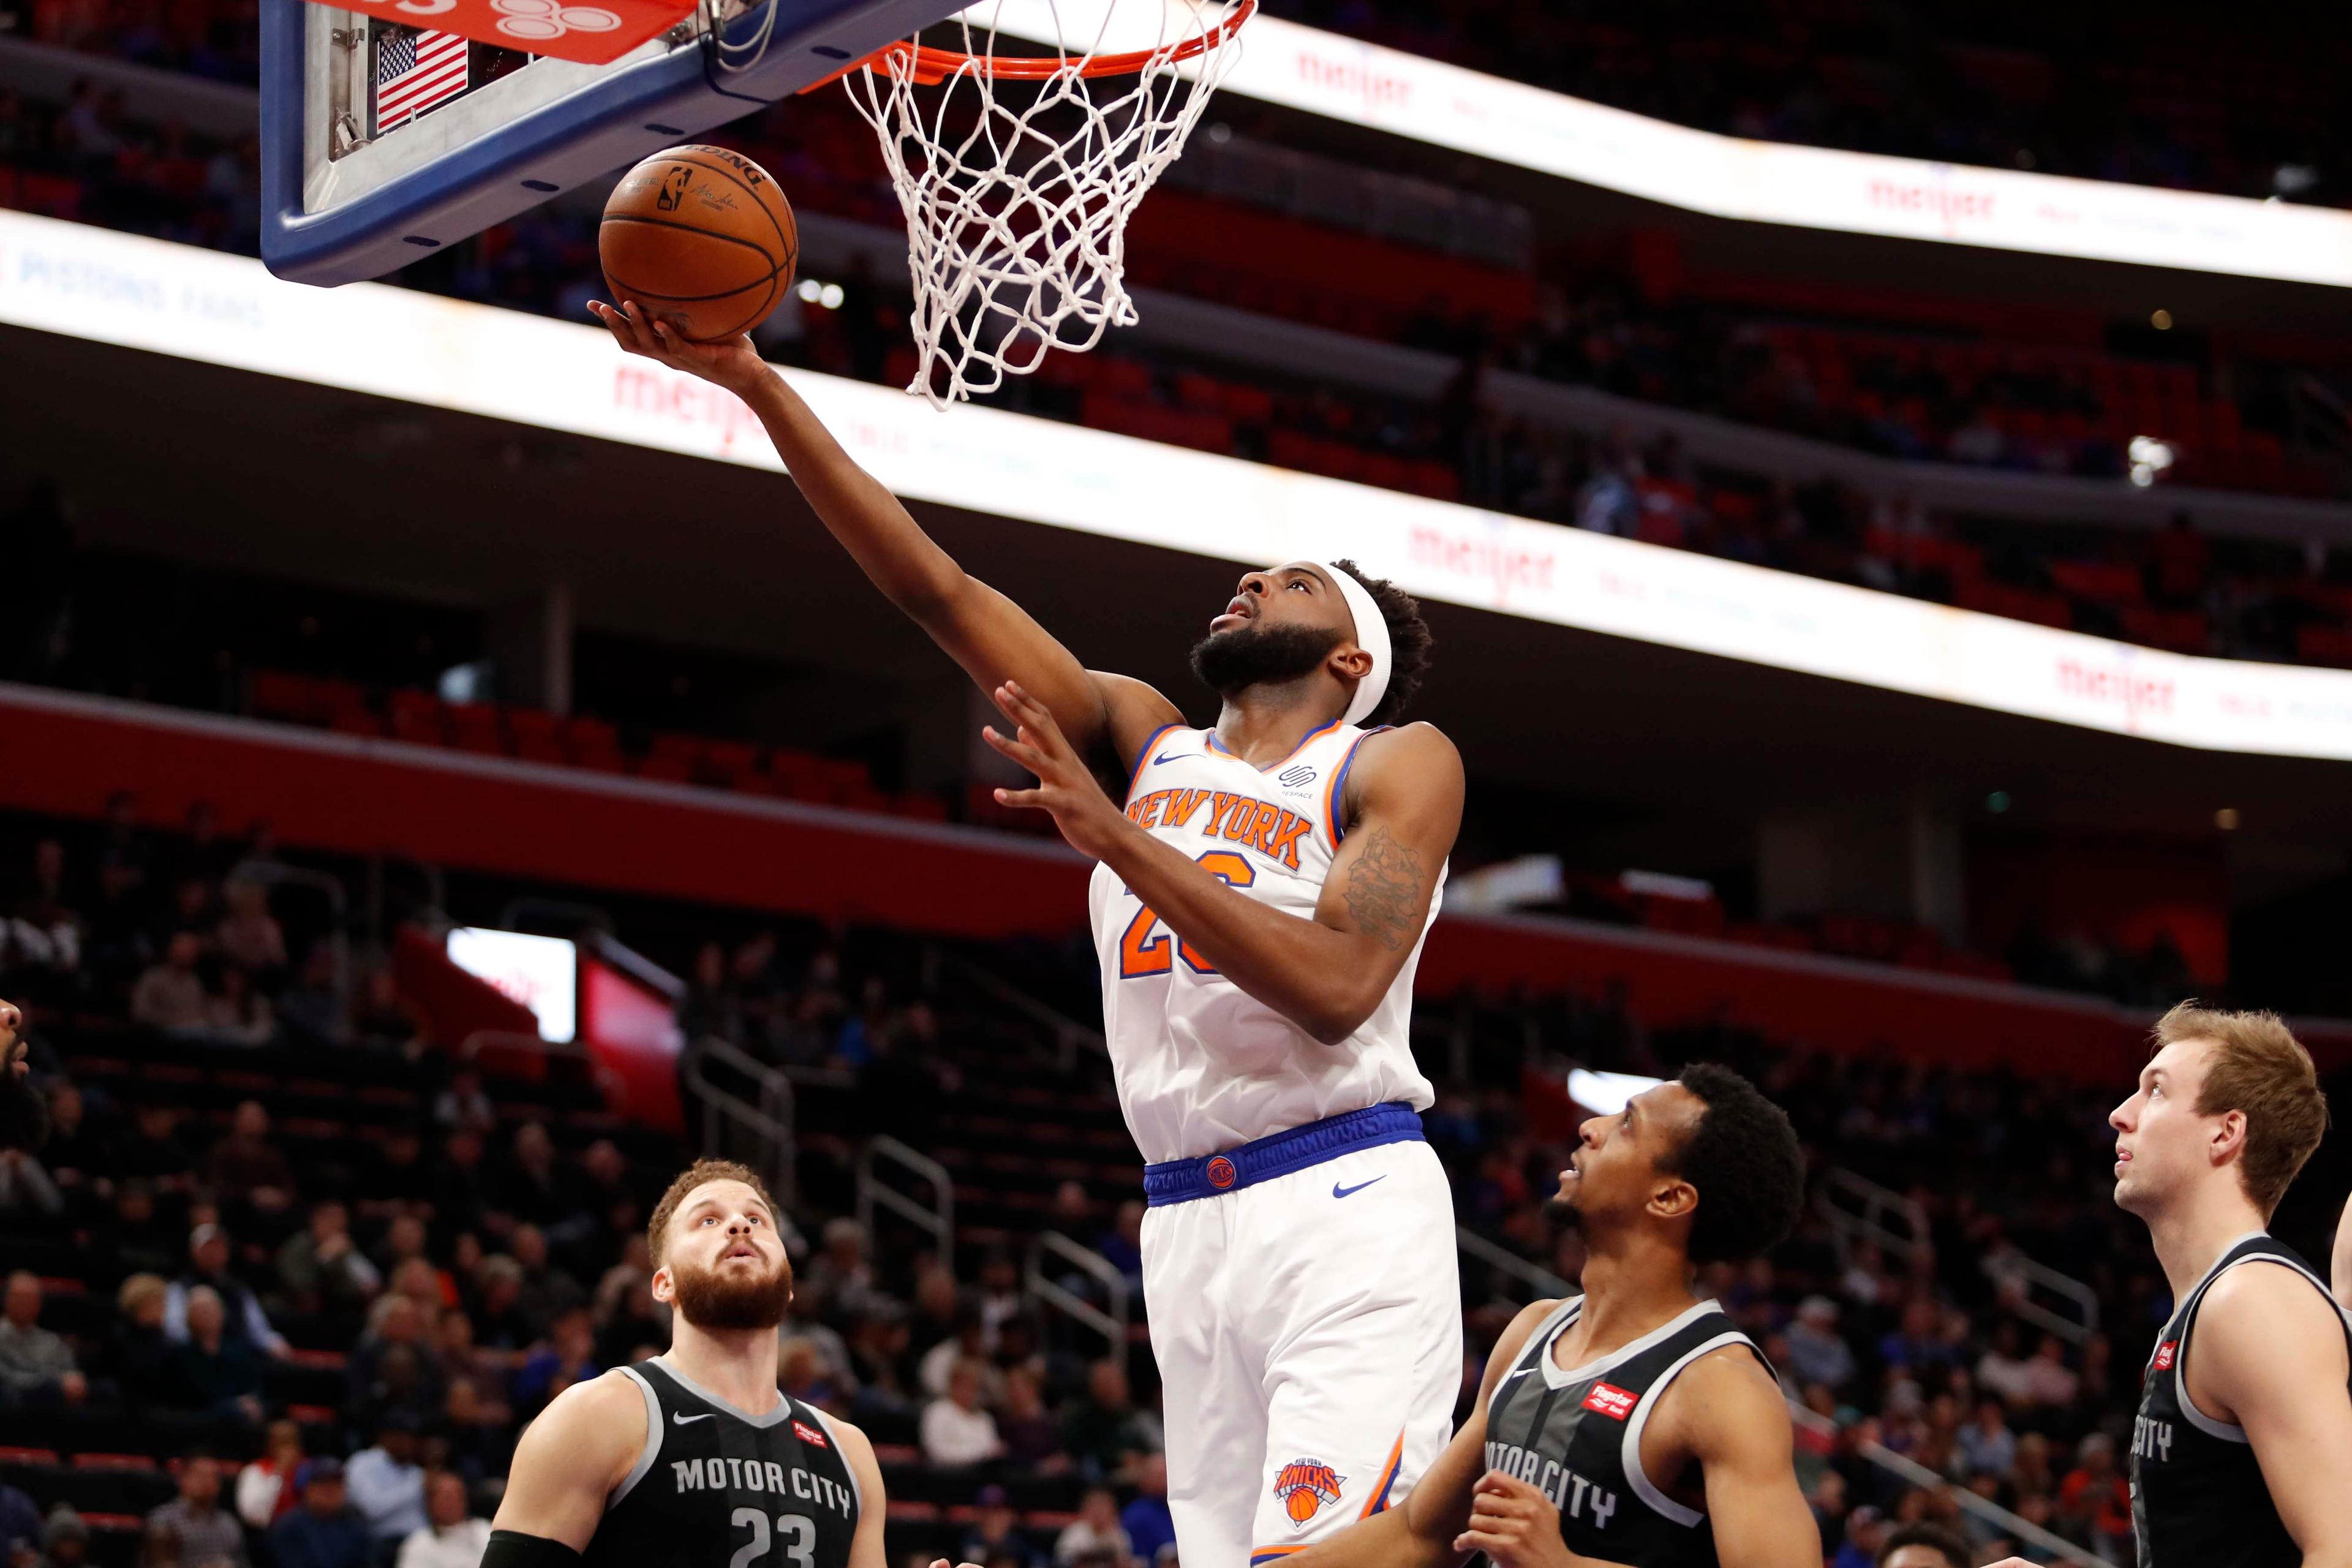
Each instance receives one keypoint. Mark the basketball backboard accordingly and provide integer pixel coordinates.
(349, 192)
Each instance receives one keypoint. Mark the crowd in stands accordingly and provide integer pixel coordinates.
(357, 1327)
(2169, 94)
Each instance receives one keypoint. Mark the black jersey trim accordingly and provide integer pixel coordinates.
(1554, 1376)
(781, 1413)
(652, 1449)
(1657, 1501)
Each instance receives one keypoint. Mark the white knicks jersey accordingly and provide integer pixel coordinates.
(1200, 1064)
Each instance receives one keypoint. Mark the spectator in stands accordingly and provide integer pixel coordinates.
(1033, 1438)
(40, 943)
(326, 1532)
(500, 1323)
(385, 1482)
(208, 1255)
(569, 1357)
(548, 1292)
(1923, 1546)
(1816, 1352)
(1122, 1244)
(207, 1531)
(463, 1103)
(2094, 1502)
(36, 1365)
(323, 1271)
(968, 1344)
(956, 1432)
(1102, 1430)
(839, 1286)
(995, 1534)
(74, 1152)
(20, 1526)
(170, 996)
(249, 937)
(64, 1540)
(530, 1186)
(313, 1007)
(2048, 1381)
(139, 1353)
(245, 1167)
(238, 1014)
(477, 1427)
(1149, 1527)
(392, 1367)
(154, 1153)
(265, 1489)
(1097, 1528)
(452, 1538)
(211, 1371)
(28, 1195)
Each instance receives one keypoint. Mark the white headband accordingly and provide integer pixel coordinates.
(1372, 636)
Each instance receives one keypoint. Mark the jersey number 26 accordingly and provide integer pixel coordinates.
(1143, 950)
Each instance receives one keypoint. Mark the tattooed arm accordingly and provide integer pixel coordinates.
(1328, 973)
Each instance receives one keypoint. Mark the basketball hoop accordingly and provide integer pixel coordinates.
(1017, 205)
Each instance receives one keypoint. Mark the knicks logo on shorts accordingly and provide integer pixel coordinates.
(1220, 1172)
(1305, 1485)
(2164, 1354)
(1611, 1400)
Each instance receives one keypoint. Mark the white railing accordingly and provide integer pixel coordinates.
(1859, 1209)
(756, 1127)
(2022, 1531)
(1541, 1281)
(935, 1218)
(1111, 1322)
(1071, 1039)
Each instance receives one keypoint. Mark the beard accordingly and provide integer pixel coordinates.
(1562, 1213)
(24, 1115)
(708, 1300)
(1251, 654)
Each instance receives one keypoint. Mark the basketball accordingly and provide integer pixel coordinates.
(702, 238)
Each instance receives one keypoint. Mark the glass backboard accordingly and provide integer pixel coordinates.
(368, 161)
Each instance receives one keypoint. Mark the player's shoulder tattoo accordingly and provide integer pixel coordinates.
(1384, 888)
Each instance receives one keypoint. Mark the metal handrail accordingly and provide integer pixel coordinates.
(1878, 1205)
(937, 1217)
(1919, 1474)
(338, 905)
(770, 1120)
(1070, 1036)
(1535, 1276)
(1113, 1324)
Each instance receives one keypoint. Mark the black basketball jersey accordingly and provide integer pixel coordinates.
(717, 1485)
(2198, 1495)
(1576, 1436)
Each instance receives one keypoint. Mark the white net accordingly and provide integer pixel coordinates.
(1018, 175)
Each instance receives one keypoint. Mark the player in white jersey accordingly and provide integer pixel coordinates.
(1262, 894)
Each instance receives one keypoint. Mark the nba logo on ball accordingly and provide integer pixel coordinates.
(1220, 1172)
(1305, 1485)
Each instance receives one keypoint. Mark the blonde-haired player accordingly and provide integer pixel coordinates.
(2243, 1441)
(694, 1457)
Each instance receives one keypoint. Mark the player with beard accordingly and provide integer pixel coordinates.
(2244, 1439)
(1262, 891)
(695, 1456)
(1634, 1423)
(24, 1116)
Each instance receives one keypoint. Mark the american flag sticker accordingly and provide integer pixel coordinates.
(415, 70)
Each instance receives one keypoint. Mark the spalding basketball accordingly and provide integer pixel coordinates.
(700, 238)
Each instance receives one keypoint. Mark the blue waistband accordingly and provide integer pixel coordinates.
(1279, 1153)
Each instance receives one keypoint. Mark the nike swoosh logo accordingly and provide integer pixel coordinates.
(1522, 1372)
(1339, 1191)
(682, 1420)
(1162, 757)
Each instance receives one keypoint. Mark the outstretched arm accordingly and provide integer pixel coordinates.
(1324, 974)
(1421, 1532)
(992, 637)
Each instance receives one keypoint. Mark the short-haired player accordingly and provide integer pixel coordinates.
(1634, 1423)
(695, 1456)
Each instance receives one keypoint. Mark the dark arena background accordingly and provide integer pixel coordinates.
(1888, 528)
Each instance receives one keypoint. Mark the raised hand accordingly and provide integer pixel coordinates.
(1065, 786)
(731, 362)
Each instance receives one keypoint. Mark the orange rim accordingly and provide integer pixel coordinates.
(928, 66)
